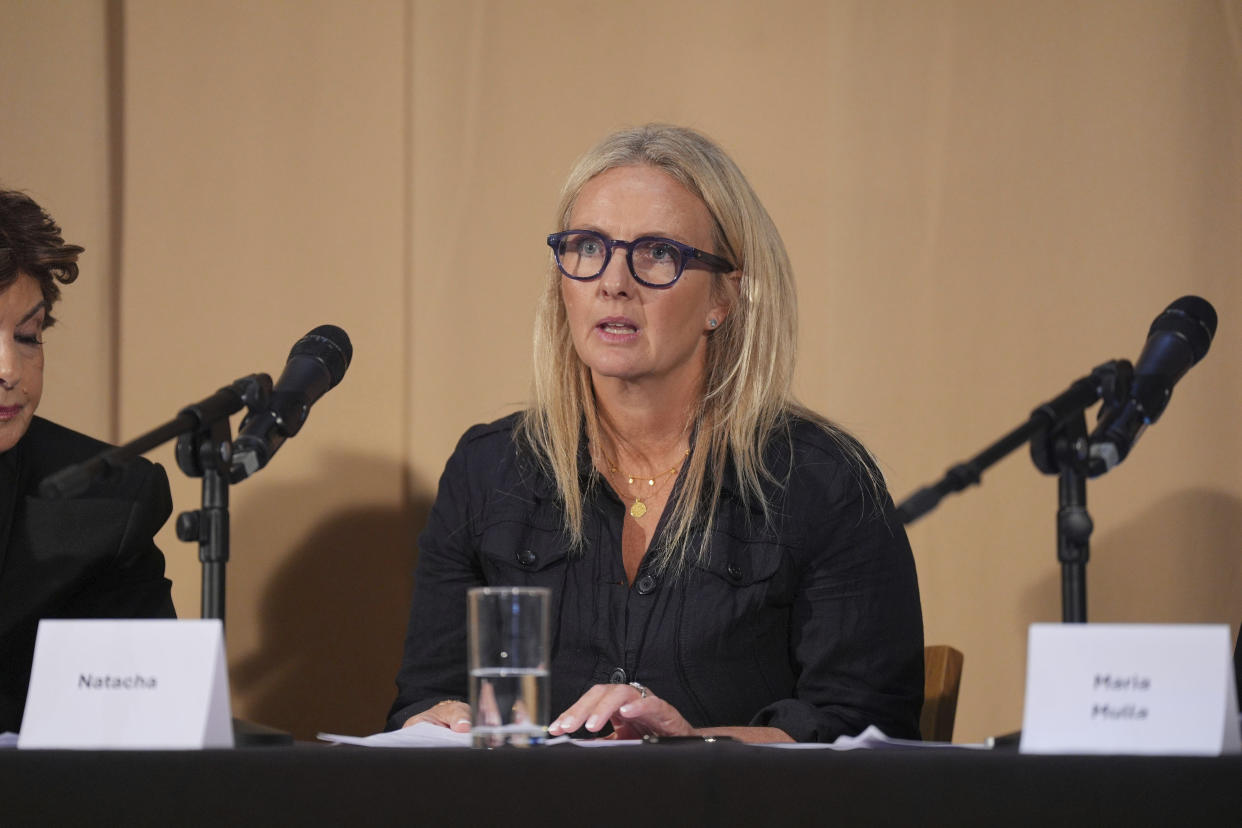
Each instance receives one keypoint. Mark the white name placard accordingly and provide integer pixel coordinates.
(128, 684)
(1130, 688)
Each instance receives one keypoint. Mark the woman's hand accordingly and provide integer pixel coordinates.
(455, 715)
(633, 710)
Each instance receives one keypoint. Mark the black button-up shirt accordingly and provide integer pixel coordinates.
(810, 623)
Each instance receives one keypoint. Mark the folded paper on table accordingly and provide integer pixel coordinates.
(1156, 689)
(130, 684)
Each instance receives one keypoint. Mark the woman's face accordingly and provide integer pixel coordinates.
(22, 313)
(625, 330)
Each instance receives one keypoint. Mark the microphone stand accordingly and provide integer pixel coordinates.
(204, 449)
(1062, 451)
(1057, 434)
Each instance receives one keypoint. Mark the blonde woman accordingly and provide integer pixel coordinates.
(722, 561)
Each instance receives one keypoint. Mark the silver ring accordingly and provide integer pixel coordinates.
(642, 691)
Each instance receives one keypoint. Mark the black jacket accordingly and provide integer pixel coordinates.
(812, 625)
(93, 556)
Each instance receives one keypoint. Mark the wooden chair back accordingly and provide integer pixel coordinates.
(942, 678)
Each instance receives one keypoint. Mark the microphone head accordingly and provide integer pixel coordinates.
(1178, 338)
(1191, 318)
(331, 346)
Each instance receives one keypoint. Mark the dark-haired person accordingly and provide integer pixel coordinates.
(89, 557)
(721, 559)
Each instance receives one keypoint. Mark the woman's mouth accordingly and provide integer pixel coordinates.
(8, 412)
(617, 326)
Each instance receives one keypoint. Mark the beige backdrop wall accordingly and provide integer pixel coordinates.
(983, 200)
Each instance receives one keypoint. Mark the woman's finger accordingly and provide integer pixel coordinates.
(449, 713)
(649, 716)
(594, 709)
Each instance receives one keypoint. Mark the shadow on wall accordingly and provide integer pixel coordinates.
(1180, 562)
(332, 617)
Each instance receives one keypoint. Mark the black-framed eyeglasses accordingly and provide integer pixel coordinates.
(654, 261)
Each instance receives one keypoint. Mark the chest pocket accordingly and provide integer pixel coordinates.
(522, 545)
(742, 577)
(743, 563)
(748, 557)
(736, 615)
(734, 630)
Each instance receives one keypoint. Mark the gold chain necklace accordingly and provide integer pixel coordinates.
(638, 509)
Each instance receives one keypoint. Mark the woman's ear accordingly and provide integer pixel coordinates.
(725, 296)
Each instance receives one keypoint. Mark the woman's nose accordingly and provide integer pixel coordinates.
(616, 280)
(10, 366)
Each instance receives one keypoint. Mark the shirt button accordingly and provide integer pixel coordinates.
(526, 558)
(646, 584)
(618, 676)
(735, 572)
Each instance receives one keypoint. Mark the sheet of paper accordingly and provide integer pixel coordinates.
(421, 735)
(425, 734)
(870, 739)
(599, 743)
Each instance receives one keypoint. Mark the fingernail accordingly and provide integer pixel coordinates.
(567, 724)
(626, 709)
(593, 723)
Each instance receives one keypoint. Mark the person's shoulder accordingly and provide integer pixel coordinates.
(835, 484)
(485, 448)
(50, 447)
(496, 455)
(495, 436)
(809, 450)
(817, 438)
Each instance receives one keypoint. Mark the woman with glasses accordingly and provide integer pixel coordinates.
(721, 560)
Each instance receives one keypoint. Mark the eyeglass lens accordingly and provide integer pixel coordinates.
(583, 255)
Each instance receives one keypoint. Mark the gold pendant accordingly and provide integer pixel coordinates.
(638, 509)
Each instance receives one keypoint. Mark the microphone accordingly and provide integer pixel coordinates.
(316, 364)
(1178, 338)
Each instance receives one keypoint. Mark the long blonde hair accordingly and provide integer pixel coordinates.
(746, 398)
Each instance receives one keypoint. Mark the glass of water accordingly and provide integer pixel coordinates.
(509, 687)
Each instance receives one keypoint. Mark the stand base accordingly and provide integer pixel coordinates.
(1006, 741)
(249, 734)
